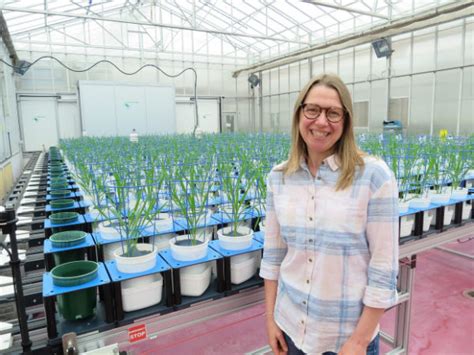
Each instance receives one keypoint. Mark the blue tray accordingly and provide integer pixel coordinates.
(49, 197)
(214, 244)
(70, 187)
(118, 276)
(224, 218)
(100, 240)
(433, 205)
(48, 247)
(210, 223)
(148, 231)
(49, 289)
(259, 236)
(48, 224)
(177, 264)
(74, 206)
(85, 204)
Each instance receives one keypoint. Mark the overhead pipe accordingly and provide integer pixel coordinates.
(7, 39)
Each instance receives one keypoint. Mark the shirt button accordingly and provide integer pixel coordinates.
(304, 302)
(310, 241)
(310, 218)
(302, 321)
(310, 260)
(319, 178)
(312, 197)
(307, 281)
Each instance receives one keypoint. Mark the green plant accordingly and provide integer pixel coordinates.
(190, 190)
(237, 180)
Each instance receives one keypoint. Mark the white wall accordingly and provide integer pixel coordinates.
(208, 111)
(112, 108)
(10, 144)
(39, 122)
(433, 49)
(432, 68)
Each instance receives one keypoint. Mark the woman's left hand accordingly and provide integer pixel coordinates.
(353, 347)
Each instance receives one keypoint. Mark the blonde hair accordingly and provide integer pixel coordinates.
(348, 154)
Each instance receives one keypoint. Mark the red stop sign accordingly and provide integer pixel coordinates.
(136, 333)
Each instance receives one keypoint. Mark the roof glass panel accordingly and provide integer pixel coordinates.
(258, 28)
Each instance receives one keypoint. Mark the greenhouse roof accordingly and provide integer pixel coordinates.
(253, 30)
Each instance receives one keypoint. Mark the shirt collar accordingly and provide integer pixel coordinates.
(332, 161)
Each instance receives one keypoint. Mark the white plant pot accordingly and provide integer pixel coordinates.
(162, 242)
(406, 225)
(204, 220)
(402, 207)
(420, 202)
(131, 265)
(194, 280)
(443, 197)
(187, 252)
(109, 251)
(142, 292)
(163, 222)
(261, 226)
(466, 210)
(459, 193)
(107, 231)
(448, 216)
(229, 242)
(226, 212)
(427, 218)
(205, 233)
(242, 267)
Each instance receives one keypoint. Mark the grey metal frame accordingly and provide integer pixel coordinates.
(164, 324)
(406, 280)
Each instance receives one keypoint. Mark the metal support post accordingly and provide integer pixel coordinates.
(458, 213)
(8, 225)
(406, 283)
(440, 218)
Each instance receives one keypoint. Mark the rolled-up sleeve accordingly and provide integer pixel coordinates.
(274, 247)
(382, 236)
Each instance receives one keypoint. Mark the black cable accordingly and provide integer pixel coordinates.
(196, 118)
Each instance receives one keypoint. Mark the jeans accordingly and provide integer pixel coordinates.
(372, 349)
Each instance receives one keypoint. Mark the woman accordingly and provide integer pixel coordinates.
(330, 258)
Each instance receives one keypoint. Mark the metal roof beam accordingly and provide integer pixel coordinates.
(131, 49)
(344, 8)
(144, 23)
(428, 18)
(72, 21)
(231, 42)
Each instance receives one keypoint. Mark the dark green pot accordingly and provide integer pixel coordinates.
(67, 239)
(68, 256)
(63, 217)
(79, 304)
(60, 180)
(60, 193)
(59, 186)
(64, 203)
(55, 174)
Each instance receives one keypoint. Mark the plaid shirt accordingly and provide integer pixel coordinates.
(331, 252)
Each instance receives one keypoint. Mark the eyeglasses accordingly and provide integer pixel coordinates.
(313, 111)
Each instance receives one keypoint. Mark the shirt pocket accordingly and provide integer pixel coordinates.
(343, 214)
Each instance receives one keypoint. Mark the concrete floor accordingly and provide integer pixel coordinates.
(442, 320)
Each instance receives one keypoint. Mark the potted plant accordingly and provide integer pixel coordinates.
(238, 180)
(190, 194)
